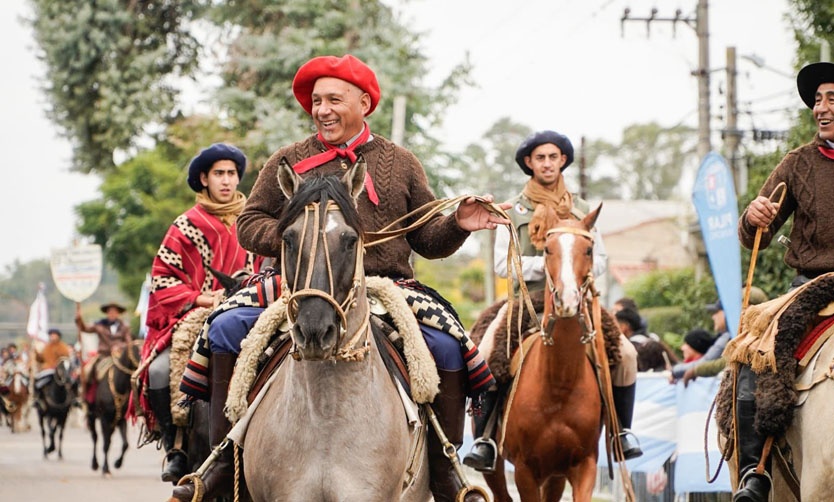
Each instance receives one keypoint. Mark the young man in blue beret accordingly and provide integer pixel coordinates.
(543, 156)
(183, 290)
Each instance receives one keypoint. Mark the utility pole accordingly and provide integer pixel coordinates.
(583, 176)
(700, 23)
(731, 133)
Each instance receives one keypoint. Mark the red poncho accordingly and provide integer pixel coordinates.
(178, 275)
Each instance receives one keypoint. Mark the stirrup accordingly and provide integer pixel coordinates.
(488, 442)
(472, 489)
(622, 437)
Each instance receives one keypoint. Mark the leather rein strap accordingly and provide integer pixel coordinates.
(425, 213)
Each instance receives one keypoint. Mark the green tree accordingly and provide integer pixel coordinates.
(109, 68)
(488, 166)
(268, 42)
(650, 159)
(140, 198)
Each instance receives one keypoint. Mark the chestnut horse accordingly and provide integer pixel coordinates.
(332, 425)
(553, 418)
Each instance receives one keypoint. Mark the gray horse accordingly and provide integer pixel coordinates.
(332, 426)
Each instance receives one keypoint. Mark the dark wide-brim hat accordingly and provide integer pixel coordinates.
(108, 306)
(540, 138)
(809, 79)
(348, 68)
(208, 156)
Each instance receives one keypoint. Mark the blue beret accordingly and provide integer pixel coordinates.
(540, 138)
(208, 156)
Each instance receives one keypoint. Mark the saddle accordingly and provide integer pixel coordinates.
(385, 336)
(778, 340)
(385, 298)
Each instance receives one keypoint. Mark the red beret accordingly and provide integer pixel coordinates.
(347, 68)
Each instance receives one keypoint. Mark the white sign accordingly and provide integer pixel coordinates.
(77, 271)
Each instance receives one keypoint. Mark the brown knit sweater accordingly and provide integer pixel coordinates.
(400, 183)
(809, 176)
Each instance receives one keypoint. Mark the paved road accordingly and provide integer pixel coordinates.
(26, 476)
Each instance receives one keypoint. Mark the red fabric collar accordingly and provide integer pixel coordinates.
(334, 151)
(828, 152)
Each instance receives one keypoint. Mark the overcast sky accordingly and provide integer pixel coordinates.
(549, 64)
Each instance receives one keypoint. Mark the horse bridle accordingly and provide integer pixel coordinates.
(556, 301)
(341, 351)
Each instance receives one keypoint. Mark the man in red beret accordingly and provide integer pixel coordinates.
(183, 290)
(338, 93)
(809, 197)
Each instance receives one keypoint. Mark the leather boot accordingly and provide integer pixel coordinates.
(484, 451)
(624, 406)
(176, 460)
(449, 406)
(219, 479)
(753, 487)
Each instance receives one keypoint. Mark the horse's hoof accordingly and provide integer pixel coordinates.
(50, 449)
(107, 475)
(94, 465)
(118, 464)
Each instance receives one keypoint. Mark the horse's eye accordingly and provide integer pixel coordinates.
(289, 240)
(349, 240)
(589, 251)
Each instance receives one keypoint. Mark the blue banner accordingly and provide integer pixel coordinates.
(714, 197)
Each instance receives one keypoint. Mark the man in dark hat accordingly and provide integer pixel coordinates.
(543, 156)
(183, 289)
(339, 93)
(112, 332)
(807, 174)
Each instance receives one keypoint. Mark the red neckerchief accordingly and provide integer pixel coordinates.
(828, 152)
(334, 151)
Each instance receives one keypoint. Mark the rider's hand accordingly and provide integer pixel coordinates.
(688, 376)
(471, 215)
(761, 212)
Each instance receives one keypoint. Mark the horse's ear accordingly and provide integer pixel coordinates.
(590, 219)
(288, 179)
(354, 178)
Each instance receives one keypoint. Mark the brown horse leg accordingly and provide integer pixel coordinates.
(497, 482)
(527, 484)
(553, 488)
(582, 478)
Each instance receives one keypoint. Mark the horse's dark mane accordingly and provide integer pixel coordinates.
(319, 188)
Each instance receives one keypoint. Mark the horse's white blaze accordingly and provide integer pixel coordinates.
(18, 383)
(570, 289)
(331, 224)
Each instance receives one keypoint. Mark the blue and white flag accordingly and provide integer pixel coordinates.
(694, 402)
(714, 197)
(671, 420)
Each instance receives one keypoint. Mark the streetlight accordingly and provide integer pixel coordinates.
(760, 63)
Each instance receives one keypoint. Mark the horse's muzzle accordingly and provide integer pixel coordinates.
(316, 330)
